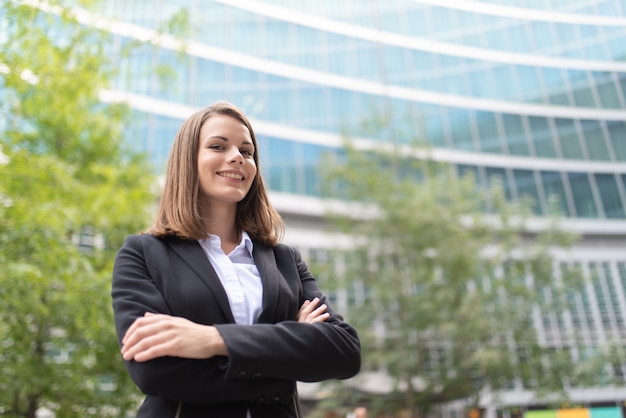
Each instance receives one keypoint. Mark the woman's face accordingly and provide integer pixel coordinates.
(226, 166)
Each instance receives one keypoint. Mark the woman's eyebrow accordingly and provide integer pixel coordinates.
(223, 138)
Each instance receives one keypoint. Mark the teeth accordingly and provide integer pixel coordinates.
(231, 176)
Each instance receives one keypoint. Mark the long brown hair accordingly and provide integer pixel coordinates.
(179, 211)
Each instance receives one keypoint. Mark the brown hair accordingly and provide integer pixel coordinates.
(179, 211)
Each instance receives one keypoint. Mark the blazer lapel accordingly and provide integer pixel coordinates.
(191, 252)
(268, 270)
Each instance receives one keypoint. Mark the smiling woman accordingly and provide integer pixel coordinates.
(226, 166)
(214, 316)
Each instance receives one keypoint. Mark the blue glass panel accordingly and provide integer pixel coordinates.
(365, 62)
(595, 141)
(542, 137)
(461, 129)
(313, 105)
(210, 81)
(622, 78)
(568, 136)
(542, 35)
(242, 36)
(530, 83)
(607, 90)
(455, 85)
(488, 132)
(588, 31)
(136, 133)
(552, 77)
(498, 176)
(480, 84)
(280, 99)
(337, 58)
(433, 125)
(281, 169)
(595, 52)
(515, 134)
(341, 110)
(583, 196)
(608, 8)
(497, 37)
(466, 19)
(244, 87)
(617, 131)
(263, 151)
(308, 56)
(395, 65)
(616, 47)
(274, 40)
(156, 138)
(610, 195)
(553, 81)
(139, 81)
(423, 62)
(441, 17)
(417, 23)
(406, 123)
(312, 158)
(503, 78)
(520, 41)
(450, 62)
(554, 190)
(526, 187)
(583, 95)
(567, 33)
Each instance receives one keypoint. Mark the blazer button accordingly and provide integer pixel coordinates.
(261, 400)
(276, 399)
(242, 374)
(257, 375)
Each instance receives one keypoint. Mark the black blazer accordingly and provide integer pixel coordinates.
(174, 276)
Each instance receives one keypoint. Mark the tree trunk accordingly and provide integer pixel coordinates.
(409, 397)
(33, 401)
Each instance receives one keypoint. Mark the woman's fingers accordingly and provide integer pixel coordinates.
(310, 312)
(156, 335)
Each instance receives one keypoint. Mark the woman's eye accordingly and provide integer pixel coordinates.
(218, 147)
(247, 152)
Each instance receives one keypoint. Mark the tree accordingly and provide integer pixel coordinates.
(455, 280)
(70, 192)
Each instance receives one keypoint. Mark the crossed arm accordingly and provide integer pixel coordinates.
(159, 335)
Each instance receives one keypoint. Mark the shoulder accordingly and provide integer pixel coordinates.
(281, 252)
(140, 239)
(284, 250)
(288, 253)
(143, 240)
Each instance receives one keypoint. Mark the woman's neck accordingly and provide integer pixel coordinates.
(221, 222)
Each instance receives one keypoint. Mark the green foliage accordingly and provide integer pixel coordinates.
(69, 194)
(453, 277)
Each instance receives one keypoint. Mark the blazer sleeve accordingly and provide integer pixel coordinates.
(134, 292)
(289, 349)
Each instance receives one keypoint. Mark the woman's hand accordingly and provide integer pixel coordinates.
(157, 335)
(310, 314)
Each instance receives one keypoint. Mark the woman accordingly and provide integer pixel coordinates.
(215, 317)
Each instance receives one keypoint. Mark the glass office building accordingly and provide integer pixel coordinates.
(530, 91)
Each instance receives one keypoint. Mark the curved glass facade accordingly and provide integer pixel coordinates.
(545, 81)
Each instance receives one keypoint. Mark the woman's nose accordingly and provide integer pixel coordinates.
(236, 157)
